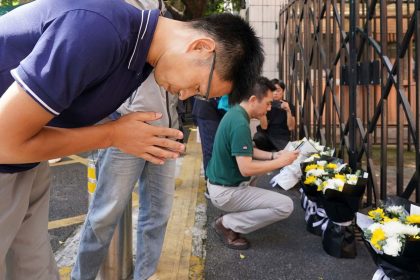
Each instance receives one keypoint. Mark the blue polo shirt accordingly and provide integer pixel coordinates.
(78, 59)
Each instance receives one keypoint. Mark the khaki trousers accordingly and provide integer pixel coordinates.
(250, 208)
(25, 250)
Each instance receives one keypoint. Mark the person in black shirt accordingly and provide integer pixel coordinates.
(273, 133)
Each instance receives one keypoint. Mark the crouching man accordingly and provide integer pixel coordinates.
(233, 161)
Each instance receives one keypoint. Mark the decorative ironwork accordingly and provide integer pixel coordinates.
(351, 69)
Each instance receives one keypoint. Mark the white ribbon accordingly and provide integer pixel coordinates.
(310, 209)
(344, 224)
(324, 221)
(380, 275)
(303, 199)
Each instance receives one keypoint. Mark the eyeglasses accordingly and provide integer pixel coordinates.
(206, 97)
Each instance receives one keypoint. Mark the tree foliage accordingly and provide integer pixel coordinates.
(190, 9)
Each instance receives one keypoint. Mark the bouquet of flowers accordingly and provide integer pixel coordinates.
(289, 175)
(392, 230)
(331, 194)
(341, 199)
(392, 235)
(315, 170)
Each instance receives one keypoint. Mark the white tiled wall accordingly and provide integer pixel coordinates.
(263, 15)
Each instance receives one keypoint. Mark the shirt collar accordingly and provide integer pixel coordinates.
(148, 22)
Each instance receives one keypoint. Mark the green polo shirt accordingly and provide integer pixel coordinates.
(233, 138)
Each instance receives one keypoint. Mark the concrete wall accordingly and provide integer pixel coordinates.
(263, 17)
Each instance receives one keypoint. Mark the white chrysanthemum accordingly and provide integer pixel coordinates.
(394, 228)
(315, 172)
(374, 226)
(393, 246)
(318, 182)
(340, 167)
(351, 179)
(322, 162)
(411, 230)
(334, 184)
(396, 210)
(328, 152)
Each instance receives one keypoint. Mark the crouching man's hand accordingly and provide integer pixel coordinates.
(286, 157)
(132, 135)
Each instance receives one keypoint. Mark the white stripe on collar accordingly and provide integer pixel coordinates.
(147, 23)
(138, 35)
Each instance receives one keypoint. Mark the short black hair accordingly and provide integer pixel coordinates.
(280, 83)
(261, 88)
(240, 55)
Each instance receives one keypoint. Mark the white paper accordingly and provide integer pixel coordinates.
(289, 175)
(307, 149)
(414, 209)
(363, 221)
(291, 146)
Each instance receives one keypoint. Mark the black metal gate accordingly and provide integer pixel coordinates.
(351, 70)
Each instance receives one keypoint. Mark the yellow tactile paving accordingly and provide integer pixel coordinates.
(65, 273)
(176, 253)
(196, 270)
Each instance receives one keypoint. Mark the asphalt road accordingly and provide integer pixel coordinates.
(282, 251)
(69, 197)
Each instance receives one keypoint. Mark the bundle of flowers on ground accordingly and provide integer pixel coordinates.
(290, 175)
(331, 195)
(316, 170)
(392, 234)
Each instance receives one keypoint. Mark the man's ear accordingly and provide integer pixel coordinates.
(253, 98)
(204, 44)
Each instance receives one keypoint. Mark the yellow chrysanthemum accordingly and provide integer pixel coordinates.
(310, 167)
(388, 219)
(377, 214)
(340, 177)
(413, 219)
(322, 186)
(377, 236)
(331, 166)
(310, 180)
(340, 188)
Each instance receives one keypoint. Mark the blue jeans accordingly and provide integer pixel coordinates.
(118, 173)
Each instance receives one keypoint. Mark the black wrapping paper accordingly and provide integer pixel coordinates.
(397, 268)
(339, 241)
(342, 206)
(311, 191)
